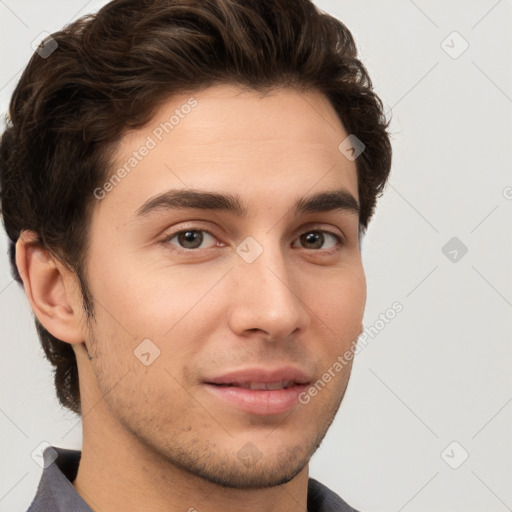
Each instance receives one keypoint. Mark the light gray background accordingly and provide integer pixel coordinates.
(440, 370)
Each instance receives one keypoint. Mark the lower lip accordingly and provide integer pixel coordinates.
(258, 401)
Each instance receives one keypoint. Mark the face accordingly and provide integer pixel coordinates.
(199, 299)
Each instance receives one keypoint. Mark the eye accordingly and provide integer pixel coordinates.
(315, 239)
(191, 239)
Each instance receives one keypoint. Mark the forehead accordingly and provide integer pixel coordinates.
(283, 143)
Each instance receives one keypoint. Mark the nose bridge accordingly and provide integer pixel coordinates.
(268, 298)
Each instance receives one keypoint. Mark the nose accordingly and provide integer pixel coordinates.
(267, 297)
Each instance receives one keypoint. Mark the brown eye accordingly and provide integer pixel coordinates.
(316, 239)
(313, 240)
(190, 238)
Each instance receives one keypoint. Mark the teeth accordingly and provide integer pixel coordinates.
(275, 385)
(257, 385)
(268, 386)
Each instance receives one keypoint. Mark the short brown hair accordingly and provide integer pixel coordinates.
(111, 71)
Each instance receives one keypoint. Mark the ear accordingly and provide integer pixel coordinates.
(50, 288)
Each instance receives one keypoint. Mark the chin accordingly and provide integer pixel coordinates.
(259, 477)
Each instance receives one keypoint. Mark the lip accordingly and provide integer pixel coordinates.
(259, 401)
(261, 374)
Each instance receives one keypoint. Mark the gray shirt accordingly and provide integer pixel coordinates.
(56, 493)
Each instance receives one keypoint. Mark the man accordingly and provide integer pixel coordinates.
(185, 186)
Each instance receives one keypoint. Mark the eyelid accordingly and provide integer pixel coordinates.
(310, 227)
(318, 226)
(340, 239)
(195, 227)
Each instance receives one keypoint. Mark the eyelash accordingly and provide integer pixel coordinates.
(167, 239)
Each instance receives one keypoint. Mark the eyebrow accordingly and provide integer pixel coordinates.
(178, 199)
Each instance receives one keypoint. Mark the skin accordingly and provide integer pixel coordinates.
(153, 437)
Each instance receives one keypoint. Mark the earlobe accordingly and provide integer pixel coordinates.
(50, 289)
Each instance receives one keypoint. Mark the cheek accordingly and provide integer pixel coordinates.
(340, 304)
(149, 298)
(178, 309)
(172, 300)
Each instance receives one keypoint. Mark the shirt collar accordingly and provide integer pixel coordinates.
(55, 491)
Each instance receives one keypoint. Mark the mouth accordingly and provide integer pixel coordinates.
(269, 386)
(259, 391)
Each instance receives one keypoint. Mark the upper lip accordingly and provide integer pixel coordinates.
(261, 375)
